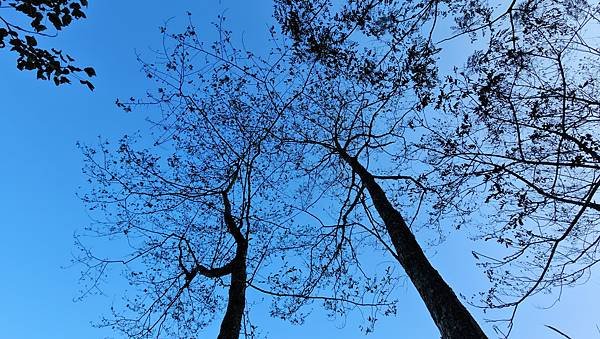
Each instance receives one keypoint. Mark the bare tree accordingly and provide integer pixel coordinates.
(361, 114)
(526, 115)
(215, 202)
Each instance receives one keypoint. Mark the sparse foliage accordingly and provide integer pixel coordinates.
(184, 248)
(346, 140)
(524, 141)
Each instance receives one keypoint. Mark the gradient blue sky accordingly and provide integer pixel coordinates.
(40, 172)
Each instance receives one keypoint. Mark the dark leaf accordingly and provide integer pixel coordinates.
(88, 84)
(31, 40)
(90, 71)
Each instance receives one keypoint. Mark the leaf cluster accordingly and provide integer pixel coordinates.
(23, 23)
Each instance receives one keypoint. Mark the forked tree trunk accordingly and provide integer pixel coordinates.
(236, 303)
(450, 316)
(231, 324)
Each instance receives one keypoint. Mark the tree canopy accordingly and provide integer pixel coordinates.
(524, 141)
(222, 208)
(284, 173)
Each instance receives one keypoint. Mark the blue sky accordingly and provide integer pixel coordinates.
(40, 172)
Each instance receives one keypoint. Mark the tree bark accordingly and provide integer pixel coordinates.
(232, 321)
(450, 316)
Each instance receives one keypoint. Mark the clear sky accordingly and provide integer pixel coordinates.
(40, 172)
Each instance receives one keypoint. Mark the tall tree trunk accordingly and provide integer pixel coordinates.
(232, 321)
(450, 316)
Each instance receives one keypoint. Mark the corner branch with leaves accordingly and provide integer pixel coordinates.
(23, 23)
